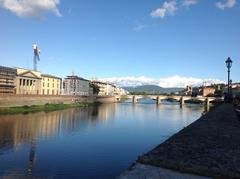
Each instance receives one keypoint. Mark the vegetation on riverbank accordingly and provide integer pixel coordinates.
(37, 108)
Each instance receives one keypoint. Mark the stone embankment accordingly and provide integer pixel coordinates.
(208, 147)
(29, 100)
(8, 100)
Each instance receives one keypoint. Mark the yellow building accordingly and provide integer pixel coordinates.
(33, 82)
(51, 85)
(27, 81)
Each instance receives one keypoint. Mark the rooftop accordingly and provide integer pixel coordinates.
(50, 76)
(102, 82)
(76, 77)
(7, 68)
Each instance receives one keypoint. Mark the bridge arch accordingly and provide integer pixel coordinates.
(181, 99)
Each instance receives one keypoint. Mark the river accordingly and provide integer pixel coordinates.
(91, 142)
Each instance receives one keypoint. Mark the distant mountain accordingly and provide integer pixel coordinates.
(152, 89)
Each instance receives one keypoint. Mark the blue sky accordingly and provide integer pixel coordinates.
(123, 38)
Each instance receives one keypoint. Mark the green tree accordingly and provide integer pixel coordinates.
(95, 88)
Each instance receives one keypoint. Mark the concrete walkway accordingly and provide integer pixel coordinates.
(141, 171)
(208, 147)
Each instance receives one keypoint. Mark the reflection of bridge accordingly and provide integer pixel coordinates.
(181, 99)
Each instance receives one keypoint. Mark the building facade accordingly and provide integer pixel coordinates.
(105, 88)
(74, 85)
(208, 90)
(51, 85)
(7, 78)
(120, 91)
(189, 90)
(28, 81)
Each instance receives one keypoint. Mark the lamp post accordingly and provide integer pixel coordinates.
(230, 94)
(229, 65)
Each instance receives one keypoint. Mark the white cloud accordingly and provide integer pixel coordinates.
(168, 8)
(226, 4)
(188, 3)
(31, 8)
(174, 81)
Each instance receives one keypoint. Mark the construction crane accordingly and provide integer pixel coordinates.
(36, 53)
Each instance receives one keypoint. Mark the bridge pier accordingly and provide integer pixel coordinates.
(158, 100)
(181, 101)
(207, 102)
(134, 100)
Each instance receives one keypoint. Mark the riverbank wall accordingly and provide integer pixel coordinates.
(106, 99)
(29, 100)
(209, 147)
(8, 100)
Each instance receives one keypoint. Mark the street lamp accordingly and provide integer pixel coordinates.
(229, 65)
(230, 86)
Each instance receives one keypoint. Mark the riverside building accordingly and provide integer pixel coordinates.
(120, 91)
(74, 85)
(7, 77)
(51, 85)
(28, 81)
(105, 88)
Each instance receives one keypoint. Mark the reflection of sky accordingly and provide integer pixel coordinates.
(87, 142)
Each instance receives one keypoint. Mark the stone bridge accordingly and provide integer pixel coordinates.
(159, 98)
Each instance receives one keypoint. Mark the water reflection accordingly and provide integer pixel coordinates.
(16, 130)
(92, 142)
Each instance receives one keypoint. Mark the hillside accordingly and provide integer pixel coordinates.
(152, 89)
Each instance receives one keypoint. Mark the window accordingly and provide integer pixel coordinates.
(48, 85)
(24, 82)
(43, 91)
(43, 84)
(52, 92)
(48, 91)
(27, 82)
(20, 82)
(53, 85)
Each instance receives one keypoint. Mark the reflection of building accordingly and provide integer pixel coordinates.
(74, 85)
(7, 77)
(51, 85)
(19, 131)
(28, 82)
(16, 130)
(106, 112)
(104, 88)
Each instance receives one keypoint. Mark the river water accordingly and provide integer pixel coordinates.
(91, 142)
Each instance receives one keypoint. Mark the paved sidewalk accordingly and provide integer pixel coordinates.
(141, 171)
